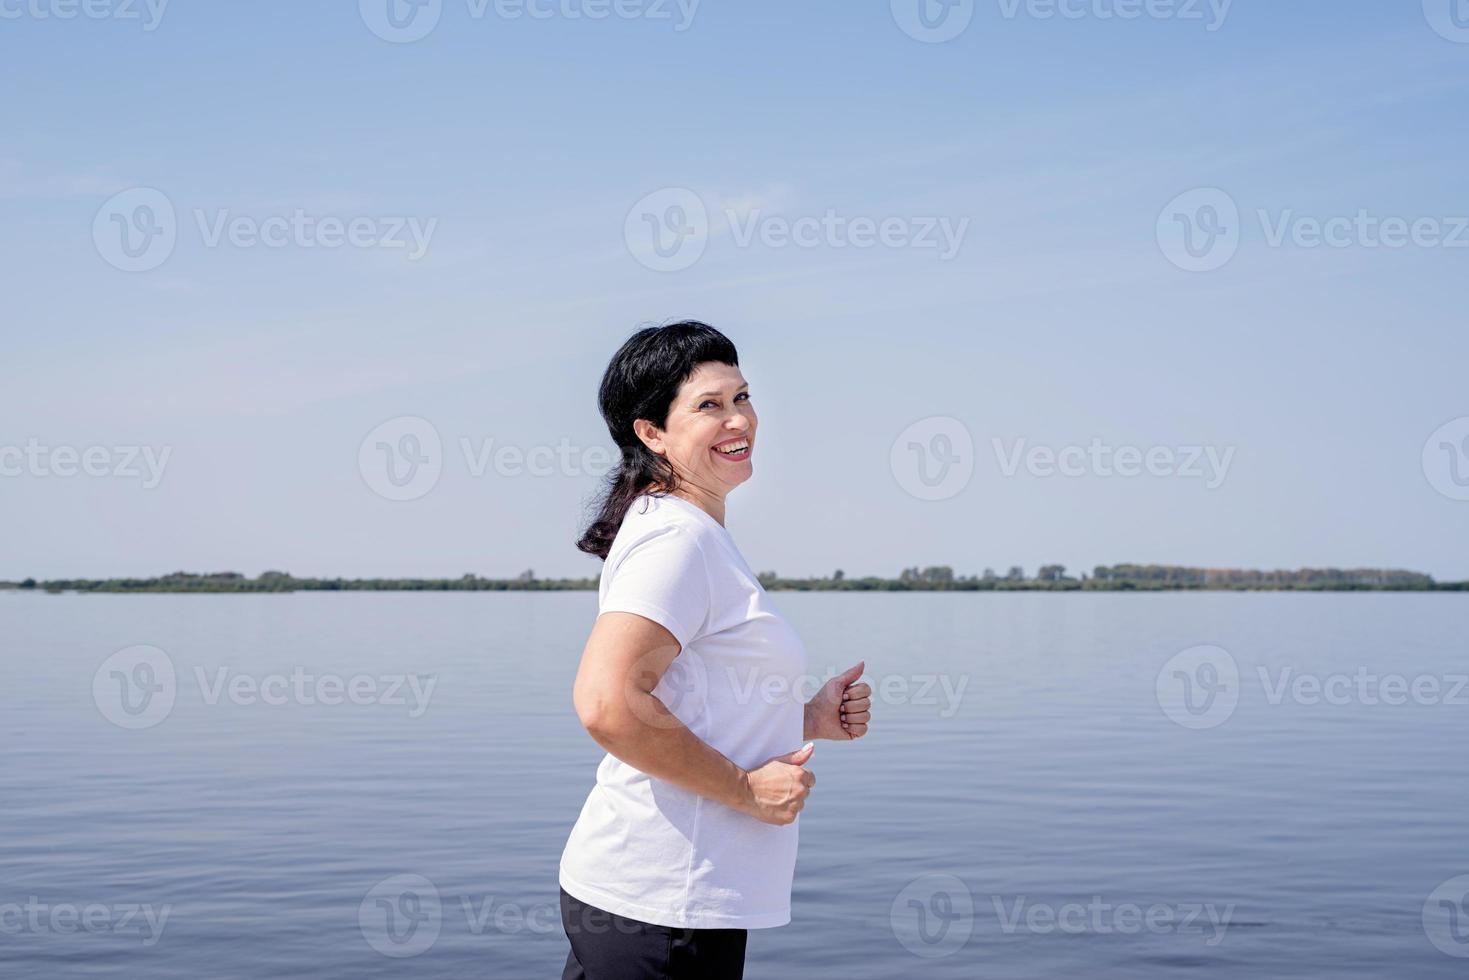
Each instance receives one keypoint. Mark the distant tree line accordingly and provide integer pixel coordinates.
(934, 578)
(1303, 578)
(274, 581)
(1121, 578)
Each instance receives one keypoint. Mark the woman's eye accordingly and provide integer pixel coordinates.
(744, 394)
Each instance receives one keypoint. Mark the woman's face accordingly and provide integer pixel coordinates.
(710, 413)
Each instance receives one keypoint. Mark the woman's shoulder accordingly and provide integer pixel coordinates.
(651, 514)
(660, 522)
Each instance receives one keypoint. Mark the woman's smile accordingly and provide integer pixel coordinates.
(736, 449)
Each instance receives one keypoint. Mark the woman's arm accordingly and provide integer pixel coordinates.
(625, 657)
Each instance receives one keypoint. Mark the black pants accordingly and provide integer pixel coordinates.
(606, 946)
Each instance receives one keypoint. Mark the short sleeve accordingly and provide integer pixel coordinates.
(663, 577)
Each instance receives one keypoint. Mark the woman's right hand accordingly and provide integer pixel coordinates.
(779, 786)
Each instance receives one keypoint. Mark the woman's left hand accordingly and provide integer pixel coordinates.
(842, 708)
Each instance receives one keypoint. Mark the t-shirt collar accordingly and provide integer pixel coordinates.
(698, 511)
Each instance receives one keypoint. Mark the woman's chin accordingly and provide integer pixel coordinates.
(734, 475)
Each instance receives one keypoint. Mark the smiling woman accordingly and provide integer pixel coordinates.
(688, 839)
(673, 399)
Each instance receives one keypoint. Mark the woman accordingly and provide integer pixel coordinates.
(691, 681)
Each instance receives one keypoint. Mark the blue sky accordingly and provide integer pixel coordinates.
(519, 147)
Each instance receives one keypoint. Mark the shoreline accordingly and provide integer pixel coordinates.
(206, 586)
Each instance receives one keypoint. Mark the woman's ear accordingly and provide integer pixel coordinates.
(650, 434)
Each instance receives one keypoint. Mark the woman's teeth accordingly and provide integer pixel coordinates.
(734, 448)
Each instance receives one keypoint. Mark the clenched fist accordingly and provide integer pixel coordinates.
(779, 786)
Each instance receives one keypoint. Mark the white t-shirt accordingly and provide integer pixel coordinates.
(644, 848)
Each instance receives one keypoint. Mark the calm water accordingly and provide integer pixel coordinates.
(1051, 812)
